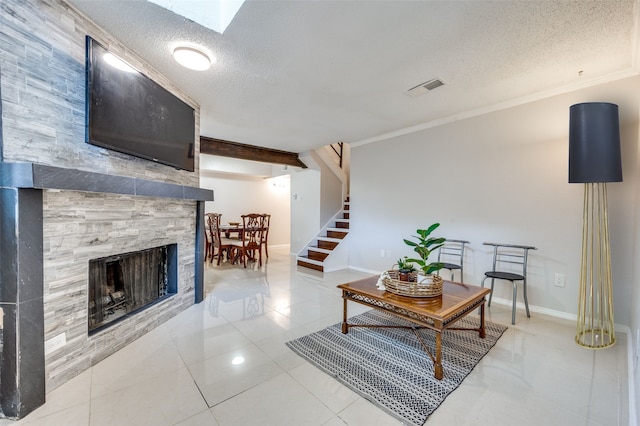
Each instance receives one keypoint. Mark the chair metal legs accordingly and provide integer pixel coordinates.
(453, 271)
(513, 309)
(524, 292)
(515, 296)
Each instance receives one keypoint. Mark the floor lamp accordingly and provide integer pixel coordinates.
(594, 159)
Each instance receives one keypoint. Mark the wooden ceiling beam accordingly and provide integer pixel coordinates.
(224, 148)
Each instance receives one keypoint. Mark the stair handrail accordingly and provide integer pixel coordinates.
(338, 151)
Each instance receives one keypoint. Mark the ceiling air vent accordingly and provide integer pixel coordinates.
(425, 87)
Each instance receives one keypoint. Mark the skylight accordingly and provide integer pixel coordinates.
(212, 14)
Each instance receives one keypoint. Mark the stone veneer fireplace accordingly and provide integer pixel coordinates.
(54, 222)
(64, 202)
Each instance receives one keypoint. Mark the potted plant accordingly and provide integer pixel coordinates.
(404, 268)
(423, 245)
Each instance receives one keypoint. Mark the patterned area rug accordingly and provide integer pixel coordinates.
(390, 368)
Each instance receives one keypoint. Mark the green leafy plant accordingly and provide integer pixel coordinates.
(405, 265)
(424, 245)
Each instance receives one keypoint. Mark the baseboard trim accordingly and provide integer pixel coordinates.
(631, 366)
(368, 271)
(538, 309)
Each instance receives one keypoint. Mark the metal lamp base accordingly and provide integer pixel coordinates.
(595, 339)
(595, 328)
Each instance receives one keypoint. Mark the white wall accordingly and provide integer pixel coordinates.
(635, 295)
(235, 195)
(317, 195)
(498, 177)
(330, 194)
(305, 207)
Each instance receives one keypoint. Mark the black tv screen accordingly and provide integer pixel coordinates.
(130, 113)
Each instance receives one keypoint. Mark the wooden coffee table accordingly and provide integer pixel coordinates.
(435, 313)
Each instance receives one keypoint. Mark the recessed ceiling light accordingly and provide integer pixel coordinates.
(192, 58)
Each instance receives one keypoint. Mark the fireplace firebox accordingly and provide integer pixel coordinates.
(124, 284)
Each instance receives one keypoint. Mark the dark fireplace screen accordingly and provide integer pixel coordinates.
(123, 284)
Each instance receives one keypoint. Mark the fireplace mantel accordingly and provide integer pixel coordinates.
(40, 176)
(22, 189)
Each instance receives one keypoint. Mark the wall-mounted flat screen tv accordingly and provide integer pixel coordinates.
(130, 113)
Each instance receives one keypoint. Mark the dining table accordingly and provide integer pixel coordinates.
(228, 230)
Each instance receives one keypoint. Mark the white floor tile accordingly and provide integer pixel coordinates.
(182, 373)
(76, 415)
(74, 395)
(334, 421)
(330, 392)
(164, 400)
(204, 418)
(151, 356)
(280, 401)
(363, 413)
(203, 344)
(219, 379)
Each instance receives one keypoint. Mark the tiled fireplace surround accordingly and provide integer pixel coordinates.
(64, 202)
(63, 218)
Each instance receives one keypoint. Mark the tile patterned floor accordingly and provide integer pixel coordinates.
(183, 373)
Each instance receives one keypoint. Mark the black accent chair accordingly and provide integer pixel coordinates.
(509, 264)
(452, 255)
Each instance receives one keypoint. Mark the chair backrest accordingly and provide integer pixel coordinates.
(265, 228)
(207, 228)
(213, 221)
(510, 257)
(253, 226)
(452, 252)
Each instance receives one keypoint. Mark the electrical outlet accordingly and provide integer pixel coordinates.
(55, 343)
(559, 280)
(382, 253)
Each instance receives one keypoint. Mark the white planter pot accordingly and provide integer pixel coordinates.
(424, 279)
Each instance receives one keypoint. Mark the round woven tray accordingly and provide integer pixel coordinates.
(412, 288)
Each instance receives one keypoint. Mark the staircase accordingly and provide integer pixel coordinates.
(325, 244)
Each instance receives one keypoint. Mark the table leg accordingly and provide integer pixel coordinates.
(345, 326)
(482, 331)
(437, 367)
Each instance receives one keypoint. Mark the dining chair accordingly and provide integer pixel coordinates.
(509, 264)
(451, 254)
(221, 244)
(250, 242)
(208, 239)
(265, 234)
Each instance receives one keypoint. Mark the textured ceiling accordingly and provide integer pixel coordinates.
(296, 75)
